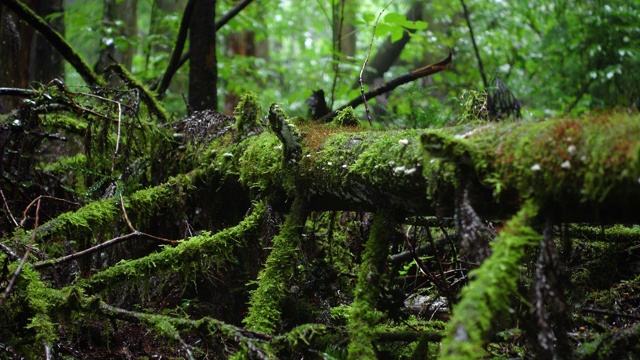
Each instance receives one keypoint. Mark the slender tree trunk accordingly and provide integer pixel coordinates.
(202, 46)
(344, 38)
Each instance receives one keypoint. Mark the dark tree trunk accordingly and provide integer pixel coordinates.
(202, 46)
(46, 62)
(15, 37)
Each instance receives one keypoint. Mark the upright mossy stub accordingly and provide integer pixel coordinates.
(346, 117)
(287, 132)
(247, 115)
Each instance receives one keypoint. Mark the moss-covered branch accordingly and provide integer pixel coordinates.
(265, 305)
(171, 326)
(490, 291)
(363, 316)
(215, 249)
(94, 216)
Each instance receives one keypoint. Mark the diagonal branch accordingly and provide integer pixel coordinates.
(388, 86)
(174, 61)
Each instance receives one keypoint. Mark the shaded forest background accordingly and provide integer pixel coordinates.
(169, 191)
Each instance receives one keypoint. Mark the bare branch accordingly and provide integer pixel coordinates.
(473, 41)
(401, 80)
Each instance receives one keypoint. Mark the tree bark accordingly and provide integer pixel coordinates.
(56, 40)
(202, 47)
(46, 63)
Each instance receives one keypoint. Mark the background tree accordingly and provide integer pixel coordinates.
(119, 35)
(203, 73)
(27, 56)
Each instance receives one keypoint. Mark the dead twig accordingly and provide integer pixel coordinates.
(37, 200)
(16, 273)
(6, 206)
(366, 60)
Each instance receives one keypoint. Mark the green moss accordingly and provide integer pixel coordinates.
(247, 116)
(31, 300)
(265, 303)
(489, 292)
(363, 315)
(95, 214)
(70, 123)
(67, 164)
(380, 161)
(261, 163)
(205, 249)
(345, 117)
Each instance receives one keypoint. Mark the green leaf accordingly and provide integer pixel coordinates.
(396, 33)
(383, 30)
(395, 18)
(368, 17)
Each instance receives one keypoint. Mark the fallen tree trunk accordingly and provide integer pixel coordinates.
(244, 182)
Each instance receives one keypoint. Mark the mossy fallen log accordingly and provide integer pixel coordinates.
(587, 168)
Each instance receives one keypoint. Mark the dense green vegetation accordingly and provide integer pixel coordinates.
(568, 56)
(134, 227)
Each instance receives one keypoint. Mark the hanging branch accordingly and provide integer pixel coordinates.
(56, 40)
(473, 41)
(388, 86)
(171, 71)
